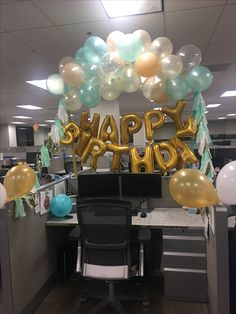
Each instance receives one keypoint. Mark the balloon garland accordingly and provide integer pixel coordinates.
(105, 69)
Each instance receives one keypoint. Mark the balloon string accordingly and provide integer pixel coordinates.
(75, 168)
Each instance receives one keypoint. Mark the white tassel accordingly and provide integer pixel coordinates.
(54, 134)
(62, 114)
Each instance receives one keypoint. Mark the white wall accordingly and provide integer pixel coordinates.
(12, 135)
(41, 136)
(4, 135)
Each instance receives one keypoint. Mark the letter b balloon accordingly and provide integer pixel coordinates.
(226, 184)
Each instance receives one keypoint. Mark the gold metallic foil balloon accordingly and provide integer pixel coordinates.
(190, 187)
(189, 129)
(117, 150)
(137, 162)
(160, 160)
(109, 135)
(96, 148)
(185, 152)
(153, 120)
(90, 126)
(71, 132)
(127, 128)
(175, 113)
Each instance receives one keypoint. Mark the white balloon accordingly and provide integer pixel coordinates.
(3, 195)
(226, 184)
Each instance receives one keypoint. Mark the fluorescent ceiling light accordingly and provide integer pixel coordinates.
(50, 121)
(42, 124)
(158, 108)
(213, 105)
(221, 118)
(206, 111)
(124, 8)
(21, 117)
(18, 122)
(30, 107)
(229, 93)
(72, 115)
(231, 114)
(38, 83)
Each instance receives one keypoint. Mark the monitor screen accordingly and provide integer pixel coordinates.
(98, 185)
(31, 158)
(141, 185)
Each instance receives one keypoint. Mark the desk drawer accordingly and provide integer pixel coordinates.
(183, 231)
(183, 243)
(184, 259)
(185, 283)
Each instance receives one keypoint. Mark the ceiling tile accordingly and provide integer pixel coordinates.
(177, 5)
(22, 15)
(226, 28)
(220, 53)
(17, 51)
(78, 32)
(152, 23)
(50, 42)
(5, 61)
(191, 26)
(73, 11)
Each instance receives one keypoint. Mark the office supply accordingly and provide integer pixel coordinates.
(98, 185)
(106, 248)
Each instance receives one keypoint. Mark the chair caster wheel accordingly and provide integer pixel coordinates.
(145, 303)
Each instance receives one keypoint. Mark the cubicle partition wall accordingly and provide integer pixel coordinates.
(28, 258)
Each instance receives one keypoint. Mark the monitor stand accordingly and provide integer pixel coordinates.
(144, 205)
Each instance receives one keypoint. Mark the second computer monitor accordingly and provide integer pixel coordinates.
(147, 185)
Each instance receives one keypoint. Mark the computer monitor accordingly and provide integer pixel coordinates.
(98, 185)
(143, 185)
(31, 158)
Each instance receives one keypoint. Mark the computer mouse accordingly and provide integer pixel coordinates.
(143, 215)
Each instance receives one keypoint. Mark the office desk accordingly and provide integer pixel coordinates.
(159, 217)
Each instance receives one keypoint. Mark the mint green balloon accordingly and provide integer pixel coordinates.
(176, 88)
(89, 95)
(94, 48)
(90, 72)
(199, 78)
(130, 47)
(80, 57)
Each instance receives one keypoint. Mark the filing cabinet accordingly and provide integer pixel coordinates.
(184, 262)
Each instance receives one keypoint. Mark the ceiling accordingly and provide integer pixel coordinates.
(35, 35)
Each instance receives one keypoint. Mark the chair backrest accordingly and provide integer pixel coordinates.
(105, 232)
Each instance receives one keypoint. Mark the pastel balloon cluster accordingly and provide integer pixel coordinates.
(127, 63)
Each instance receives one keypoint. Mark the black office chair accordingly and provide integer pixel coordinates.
(106, 250)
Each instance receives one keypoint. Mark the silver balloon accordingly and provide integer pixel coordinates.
(190, 55)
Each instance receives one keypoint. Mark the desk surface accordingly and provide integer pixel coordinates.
(161, 217)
